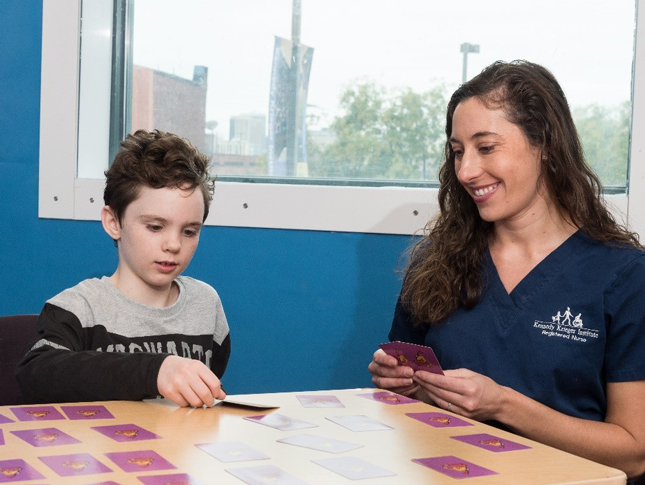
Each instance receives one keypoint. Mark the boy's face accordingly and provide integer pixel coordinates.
(157, 238)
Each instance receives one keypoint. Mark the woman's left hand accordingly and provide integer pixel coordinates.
(464, 392)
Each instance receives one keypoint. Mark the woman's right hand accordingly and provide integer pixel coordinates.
(388, 374)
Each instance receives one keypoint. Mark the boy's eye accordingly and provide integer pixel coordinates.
(191, 232)
(154, 227)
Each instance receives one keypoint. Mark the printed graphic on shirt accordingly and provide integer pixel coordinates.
(565, 325)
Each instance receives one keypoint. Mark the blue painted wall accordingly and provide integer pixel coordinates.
(306, 308)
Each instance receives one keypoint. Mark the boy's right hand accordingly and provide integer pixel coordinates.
(188, 382)
(388, 374)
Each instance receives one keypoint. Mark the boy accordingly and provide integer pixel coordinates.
(145, 331)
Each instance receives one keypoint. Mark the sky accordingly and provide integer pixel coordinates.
(587, 44)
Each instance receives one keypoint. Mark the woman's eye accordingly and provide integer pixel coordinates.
(486, 149)
(458, 154)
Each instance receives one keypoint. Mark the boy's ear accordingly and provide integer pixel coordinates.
(110, 223)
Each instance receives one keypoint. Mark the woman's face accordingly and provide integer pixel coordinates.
(496, 164)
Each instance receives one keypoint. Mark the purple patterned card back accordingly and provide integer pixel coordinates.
(37, 413)
(138, 461)
(454, 467)
(87, 412)
(74, 464)
(124, 433)
(17, 470)
(419, 357)
(45, 437)
(490, 442)
(439, 420)
(5, 420)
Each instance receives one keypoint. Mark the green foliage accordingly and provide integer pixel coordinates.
(604, 133)
(384, 135)
(399, 134)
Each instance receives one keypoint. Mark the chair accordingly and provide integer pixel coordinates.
(16, 333)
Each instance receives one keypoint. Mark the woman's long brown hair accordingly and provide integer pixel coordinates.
(444, 268)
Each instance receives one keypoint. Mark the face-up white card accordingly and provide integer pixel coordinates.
(359, 423)
(353, 468)
(265, 475)
(231, 451)
(281, 422)
(320, 443)
(319, 401)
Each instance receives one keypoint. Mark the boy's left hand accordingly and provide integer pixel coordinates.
(188, 382)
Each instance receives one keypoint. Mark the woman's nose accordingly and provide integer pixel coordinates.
(468, 167)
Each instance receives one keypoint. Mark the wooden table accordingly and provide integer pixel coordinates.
(178, 430)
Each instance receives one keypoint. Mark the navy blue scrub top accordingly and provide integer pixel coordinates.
(575, 322)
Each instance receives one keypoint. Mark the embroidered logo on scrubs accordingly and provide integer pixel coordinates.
(566, 325)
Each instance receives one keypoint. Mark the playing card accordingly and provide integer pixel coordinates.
(232, 401)
(75, 464)
(37, 413)
(5, 420)
(231, 451)
(45, 437)
(319, 401)
(17, 470)
(439, 420)
(281, 422)
(264, 475)
(126, 432)
(454, 467)
(87, 412)
(388, 398)
(137, 461)
(1, 438)
(175, 478)
(419, 357)
(353, 468)
(109, 482)
(358, 423)
(319, 443)
(490, 442)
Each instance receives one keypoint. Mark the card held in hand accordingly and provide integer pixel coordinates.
(419, 357)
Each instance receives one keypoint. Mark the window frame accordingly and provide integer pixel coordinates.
(387, 209)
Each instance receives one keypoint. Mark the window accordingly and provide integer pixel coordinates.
(359, 148)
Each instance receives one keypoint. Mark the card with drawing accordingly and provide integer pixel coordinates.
(359, 423)
(232, 451)
(319, 401)
(264, 475)
(281, 422)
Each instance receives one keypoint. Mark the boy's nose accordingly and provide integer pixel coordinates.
(172, 244)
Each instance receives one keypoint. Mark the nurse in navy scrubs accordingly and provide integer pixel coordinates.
(529, 292)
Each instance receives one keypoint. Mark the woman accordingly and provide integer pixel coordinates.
(529, 292)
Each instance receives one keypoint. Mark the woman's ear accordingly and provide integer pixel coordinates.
(110, 223)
